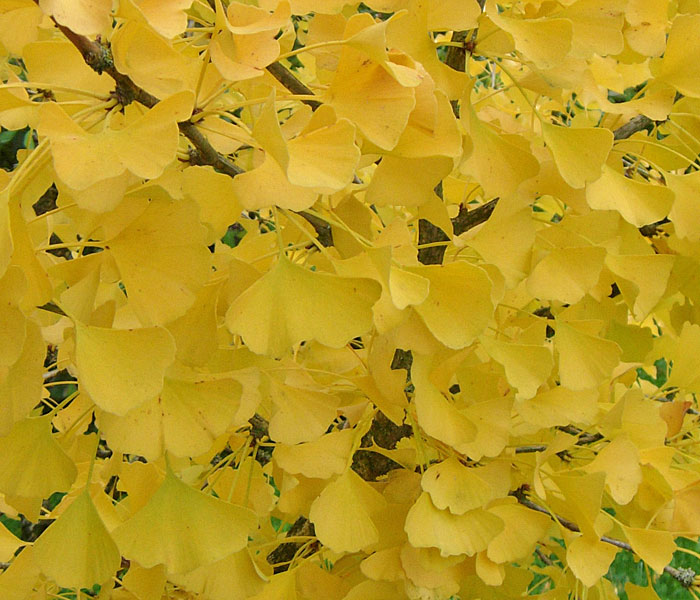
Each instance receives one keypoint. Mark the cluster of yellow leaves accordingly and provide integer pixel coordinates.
(275, 291)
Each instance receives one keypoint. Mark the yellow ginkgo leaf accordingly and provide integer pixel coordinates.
(86, 17)
(455, 487)
(235, 577)
(42, 60)
(685, 212)
(21, 383)
(527, 366)
(597, 26)
(443, 311)
(646, 279)
(589, 558)
(273, 314)
(34, 465)
(9, 543)
(324, 155)
(619, 460)
(545, 41)
(184, 418)
(492, 421)
(560, 406)
(579, 152)
(686, 359)
(453, 14)
(567, 274)
(638, 203)
(654, 547)
(162, 532)
(584, 359)
(681, 63)
(145, 583)
(245, 41)
(167, 17)
(357, 501)
(321, 458)
(366, 94)
(77, 550)
(496, 164)
(13, 323)
(144, 147)
(468, 533)
(436, 414)
(267, 185)
(195, 331)
(162, 258)
(122, 368)
(523, 529)
(646, 33)
(302, 415)
(151, 62)
(407, 181)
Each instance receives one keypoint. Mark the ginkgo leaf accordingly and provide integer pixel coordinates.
(302, 415)
(685, 213)
(638, 203)
(366, 94)
(122, 368)
(579, 153)
(162, 259)
(12, 321)
(567, 274)
(680, 66)
(86, 17)
(589, 558)
(235, 577)
(648, 275)
(147, 583)
(59, 62)
(357, 501)
(619, 460)
(544, 41)
(151, 62)
(654, 547)
(455, 487)
(162, 531)
(442, 310)
(321, 458)
(597, 26)
(523, 528)
(271, 319)
(498, 165)
(21, 383)
(9, 543)
(34, 464)
(323, 157)
(407, 181)
(167, 18)
(77, 550)
(527, 366)
(584, 359)
(144, 147)
(646, 33)
(559, 406)
(468, 533)
(436, 414)
(184, 419)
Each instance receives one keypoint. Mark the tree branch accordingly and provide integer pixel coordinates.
(289, 80)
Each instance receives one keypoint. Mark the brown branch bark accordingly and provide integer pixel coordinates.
(289, 80)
